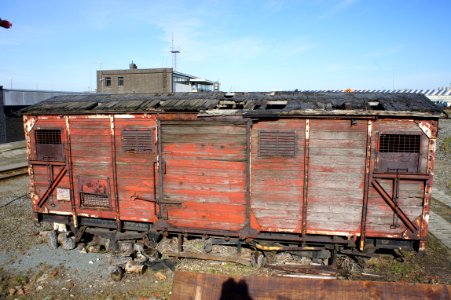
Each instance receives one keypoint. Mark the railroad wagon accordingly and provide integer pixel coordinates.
(348, 172)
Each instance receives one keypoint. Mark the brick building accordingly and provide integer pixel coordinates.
(157, 80)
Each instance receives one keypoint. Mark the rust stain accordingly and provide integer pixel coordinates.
(199, 177)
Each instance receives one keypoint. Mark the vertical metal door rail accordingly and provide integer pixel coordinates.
(306, 175)
(366, 186)
(248, 175)
(71, 175)
(113, 158)
(160, 167)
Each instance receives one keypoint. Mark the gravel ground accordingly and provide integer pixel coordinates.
(30, 269)
(16, 217)
(442, 179)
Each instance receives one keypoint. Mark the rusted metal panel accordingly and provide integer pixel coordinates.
(277, 181)
(204, 174)
(336, 175)
(199, 286)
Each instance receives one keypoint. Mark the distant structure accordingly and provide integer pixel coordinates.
(174, 54)
(157, 80)
(11, 102)
(440, 96)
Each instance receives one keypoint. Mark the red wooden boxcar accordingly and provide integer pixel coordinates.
(281, 171)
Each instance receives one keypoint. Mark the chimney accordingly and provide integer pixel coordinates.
(133, 66)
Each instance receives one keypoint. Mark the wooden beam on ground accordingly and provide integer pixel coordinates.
(203, 256)
(199, 286)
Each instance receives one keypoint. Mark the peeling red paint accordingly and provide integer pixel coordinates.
(211, 175)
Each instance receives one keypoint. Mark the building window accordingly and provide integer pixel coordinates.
(48, 145)
(120, 81)
(277, 143)
(107, 81)
(399, 153)
(137, 140)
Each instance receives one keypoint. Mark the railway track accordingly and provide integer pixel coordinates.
(13, 162)
(13, 171)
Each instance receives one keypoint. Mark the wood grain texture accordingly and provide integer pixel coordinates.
(336, 181)
(277, 182)
(136, 173)
(92, 162)
(41, 178)
(199, 286)
(205, 171)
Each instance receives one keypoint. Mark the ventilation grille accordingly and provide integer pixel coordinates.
(48, 136)
(137, 140)
(88, 200)
(399, 143)
(277, 143)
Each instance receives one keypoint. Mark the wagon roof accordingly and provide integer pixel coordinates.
(247, 104)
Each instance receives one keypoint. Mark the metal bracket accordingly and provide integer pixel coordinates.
(426, 128)
(394, 206)
(52, 186)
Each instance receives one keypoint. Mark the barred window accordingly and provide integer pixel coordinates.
(399, 153)
(399, 143)
(277, 143)
(48, 136)
(88, 200)
(48, 145)
(137, 140)
(94, 192)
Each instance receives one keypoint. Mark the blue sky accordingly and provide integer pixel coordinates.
(246, 45)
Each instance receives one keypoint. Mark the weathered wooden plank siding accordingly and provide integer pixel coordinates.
(136, 171)
(92, 163)
(205, 171)
(336, 176)
(277, 183)
(41, 177)
(411, 192)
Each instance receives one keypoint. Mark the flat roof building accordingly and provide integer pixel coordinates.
(11, 102)
(156, 80)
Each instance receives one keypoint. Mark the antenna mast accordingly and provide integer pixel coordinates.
(174, 54)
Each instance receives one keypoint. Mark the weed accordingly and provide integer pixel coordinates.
(445, 146)
(20, 279)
